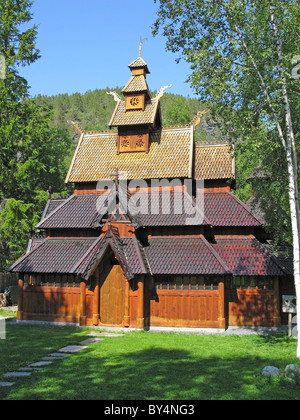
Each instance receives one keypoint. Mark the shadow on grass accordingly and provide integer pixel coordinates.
(156, 374)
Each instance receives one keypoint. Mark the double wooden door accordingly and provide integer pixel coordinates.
(112, 296)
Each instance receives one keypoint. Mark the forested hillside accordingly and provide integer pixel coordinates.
(94, 109)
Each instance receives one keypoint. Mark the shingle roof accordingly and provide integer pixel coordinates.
(183, 255)
(225, 209)
(52, 204)
(139, 63)
(147, 117)
(217, 209)
(54, 256)
(136, 84)
(134, 255)
(110, 240)
(214, 162)
(154, 209)
(81, 256)
(75, 213)
(174, 208)
(170, 156)
(247, 257)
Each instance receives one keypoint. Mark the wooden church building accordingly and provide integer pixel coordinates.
(122, 251)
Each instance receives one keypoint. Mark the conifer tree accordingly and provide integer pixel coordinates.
(31, 154)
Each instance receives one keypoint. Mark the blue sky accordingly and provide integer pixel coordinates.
(87, 45)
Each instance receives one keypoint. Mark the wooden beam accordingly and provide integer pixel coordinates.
(127, 305)
(222, 318)
(140, 322)
(83, 304)
(96, 306)
(20, 299)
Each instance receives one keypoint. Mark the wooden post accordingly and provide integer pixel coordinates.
(83, 304)
(140, 310)
(222, 318)
(127, 305)
(277, 318)
(20, 299)
(96, 309)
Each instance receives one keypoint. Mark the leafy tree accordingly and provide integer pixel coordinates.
(241, 55)
(32, 155)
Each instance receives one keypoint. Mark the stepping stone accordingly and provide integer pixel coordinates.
(51, 358)
(58, 355)
(28, 369)
(72, 349)
(6, 384)
(91, 341)
(17, 374)
(105, 335)
(40, 364)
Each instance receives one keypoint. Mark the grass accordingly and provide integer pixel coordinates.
(147, 366)
(8, 313)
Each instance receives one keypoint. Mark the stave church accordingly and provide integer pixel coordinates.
(153, 235)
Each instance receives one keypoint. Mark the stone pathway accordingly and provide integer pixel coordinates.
(26, 371)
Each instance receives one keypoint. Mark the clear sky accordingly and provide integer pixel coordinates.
(88, 44)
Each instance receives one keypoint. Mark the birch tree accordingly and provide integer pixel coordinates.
(242, 55)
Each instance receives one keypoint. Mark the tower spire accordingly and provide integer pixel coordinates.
(142, 41)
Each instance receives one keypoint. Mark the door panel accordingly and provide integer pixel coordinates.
(112, 297)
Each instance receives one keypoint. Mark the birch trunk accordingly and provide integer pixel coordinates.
(290, 150)
(292, 162)
(295, 230)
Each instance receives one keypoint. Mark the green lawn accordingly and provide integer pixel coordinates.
(146, 366)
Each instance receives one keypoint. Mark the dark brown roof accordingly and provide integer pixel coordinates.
(220, 209)
(81, 256)
(174, 208)
(217, 209)
(54, 256)
(225, 209)
(183, 255)
(52, 205)
(75, 213)
(247, 257)
(110, 240)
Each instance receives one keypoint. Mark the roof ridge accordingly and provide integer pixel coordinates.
(274, 259)
(140, 252)
(246, 208)
(198, 209)
(55, 211)
(26, 255)
(204, 146)
(215, 253)
(86, 254)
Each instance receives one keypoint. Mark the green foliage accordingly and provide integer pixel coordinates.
(33, 154)
(221, 40)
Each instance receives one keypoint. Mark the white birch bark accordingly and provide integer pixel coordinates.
(292, 168)
(291, 157)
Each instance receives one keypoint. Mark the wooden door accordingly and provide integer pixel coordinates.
(112, 297)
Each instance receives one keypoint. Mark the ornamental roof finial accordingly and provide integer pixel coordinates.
(142, 41)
